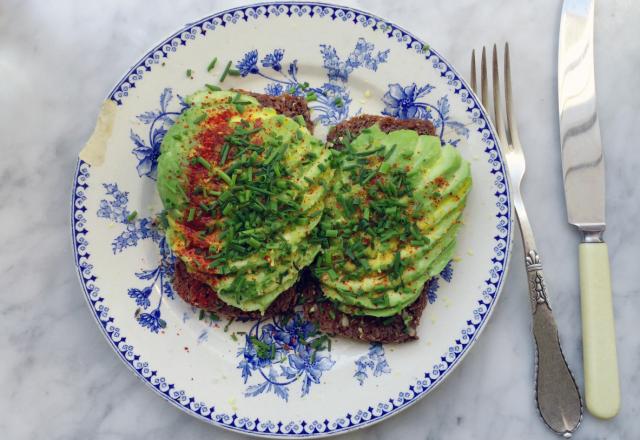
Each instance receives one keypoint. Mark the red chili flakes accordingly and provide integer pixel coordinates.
(440, 181)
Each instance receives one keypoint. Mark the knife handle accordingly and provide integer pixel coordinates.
(602, 386)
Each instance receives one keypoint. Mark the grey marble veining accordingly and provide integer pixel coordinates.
(59, 378)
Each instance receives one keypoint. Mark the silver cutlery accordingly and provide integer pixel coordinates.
(583, 173)
(557, 395)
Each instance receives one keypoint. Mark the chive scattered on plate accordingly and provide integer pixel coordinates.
(212, 64)
(225, 72)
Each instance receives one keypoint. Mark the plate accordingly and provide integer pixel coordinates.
(356, 63)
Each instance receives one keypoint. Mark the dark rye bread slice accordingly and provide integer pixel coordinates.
(285, 104)
(398, 328)
(355, 125)
(198, 293)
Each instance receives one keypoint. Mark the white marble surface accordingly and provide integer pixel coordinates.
(59, 378)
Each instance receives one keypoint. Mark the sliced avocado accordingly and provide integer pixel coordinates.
(391, 271)
(269, 264)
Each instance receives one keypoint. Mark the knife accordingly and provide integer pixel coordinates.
(583, 174)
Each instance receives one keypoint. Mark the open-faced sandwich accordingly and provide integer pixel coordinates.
(252, 198)
(389, 226)
(243, 183)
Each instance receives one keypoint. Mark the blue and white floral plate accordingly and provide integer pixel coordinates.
(216, 370)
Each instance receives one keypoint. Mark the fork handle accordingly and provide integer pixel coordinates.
(557, 394)
(602, 388)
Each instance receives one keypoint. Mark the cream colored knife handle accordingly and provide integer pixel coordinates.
(602, 387)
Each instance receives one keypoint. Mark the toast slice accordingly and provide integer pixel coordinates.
(197, 293)
(318, 309)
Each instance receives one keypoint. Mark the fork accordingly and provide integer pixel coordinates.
(556, 393)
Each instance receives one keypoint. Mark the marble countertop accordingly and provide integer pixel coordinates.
(61, 381)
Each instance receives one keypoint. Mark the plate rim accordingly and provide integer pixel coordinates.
(125, 81)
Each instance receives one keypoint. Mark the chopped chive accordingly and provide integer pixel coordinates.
(388, 154)
(192, 214)
(253, 242)
(311, 96)
(370, 152)
(338, 102)
(272, 156)
(189, 72)
(225, 72)
(226, 327)
(204, 162)
(200, 118)
(300, 120)
(331, 233)
(212, 88)
(227, 209)
(212, 64)
(260, 190)
(225, 152)
(234, 72)
(225, 196)
(350, 166)
(295, 185)
(368, 177)
(131, 217)
(366, 213)
(386, 236)
(224, 176)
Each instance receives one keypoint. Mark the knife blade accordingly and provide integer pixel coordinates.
(583, 176)
(582, 156)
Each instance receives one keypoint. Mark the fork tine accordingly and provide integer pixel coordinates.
(497, 119)
(483, 79)
(474, 85)
(511, 117)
